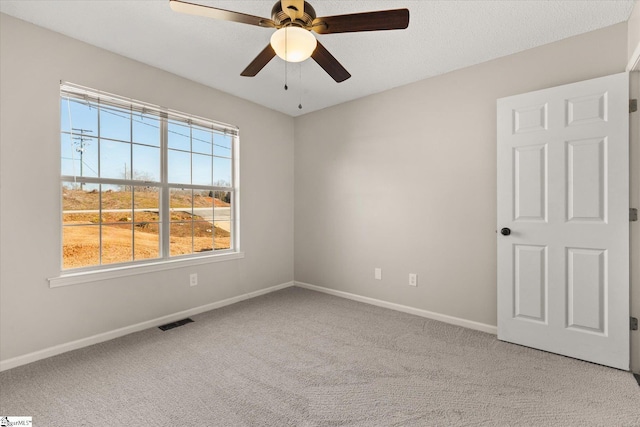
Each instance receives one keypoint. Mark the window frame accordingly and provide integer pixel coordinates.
(164, 260)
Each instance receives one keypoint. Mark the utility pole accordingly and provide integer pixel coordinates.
(81, 144)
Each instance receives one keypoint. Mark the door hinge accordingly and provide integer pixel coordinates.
(633, 105)
(633, 214)
(633, 324)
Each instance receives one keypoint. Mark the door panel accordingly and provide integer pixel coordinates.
(530, 284)
(587, 283)
(586, 180)
(530, 175)
(563, 191)
(587, 109)
(530, 119)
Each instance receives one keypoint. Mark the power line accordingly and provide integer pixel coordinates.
(106, 110)
(85, 163)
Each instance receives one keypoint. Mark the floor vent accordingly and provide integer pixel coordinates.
(175, 324)
(637, 378)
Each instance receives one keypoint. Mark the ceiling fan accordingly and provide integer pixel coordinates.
(294, 21)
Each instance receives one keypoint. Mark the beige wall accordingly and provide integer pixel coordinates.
(32, 315)
(405, 180)
(633, 39)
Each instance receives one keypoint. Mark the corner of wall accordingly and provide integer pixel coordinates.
(633, 38)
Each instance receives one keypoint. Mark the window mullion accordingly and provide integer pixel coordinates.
(99, 190)
(192, 192)
(100, 223)
(165, 214)
(133, 201)
(235, 198)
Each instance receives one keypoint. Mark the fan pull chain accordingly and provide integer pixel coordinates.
(285, 76)
(286, 43)
(300, 104)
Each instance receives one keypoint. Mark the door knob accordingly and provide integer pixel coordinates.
(505, 231)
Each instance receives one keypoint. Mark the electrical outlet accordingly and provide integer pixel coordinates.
(413, 279)
(193, 279)
(377, 273)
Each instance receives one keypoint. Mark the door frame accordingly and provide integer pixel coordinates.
(634, 202)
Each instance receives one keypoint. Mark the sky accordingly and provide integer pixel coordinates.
(129, 146)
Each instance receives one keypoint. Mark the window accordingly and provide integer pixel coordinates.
(141, 183)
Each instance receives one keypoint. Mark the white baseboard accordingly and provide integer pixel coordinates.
(106, 336)
(470, 324)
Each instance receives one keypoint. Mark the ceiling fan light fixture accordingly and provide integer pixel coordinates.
(293, 44)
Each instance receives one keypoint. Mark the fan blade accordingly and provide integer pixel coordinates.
(215, 13)
(396, 19)
(330, 64)
(259, 62)
(293, 8)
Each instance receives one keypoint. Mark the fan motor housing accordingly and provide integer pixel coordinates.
(281, 18)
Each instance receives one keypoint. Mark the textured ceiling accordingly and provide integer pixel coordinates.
(442, 36)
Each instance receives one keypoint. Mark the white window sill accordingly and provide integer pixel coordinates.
(131, 270)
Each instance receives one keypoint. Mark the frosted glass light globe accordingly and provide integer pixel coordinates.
(293, 44)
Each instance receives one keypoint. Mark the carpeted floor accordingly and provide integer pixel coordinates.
(302, 358)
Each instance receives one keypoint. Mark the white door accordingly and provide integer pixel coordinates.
(563, 194)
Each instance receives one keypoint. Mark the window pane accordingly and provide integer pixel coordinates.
(146, 129)
(115, 159)
(146, 202)
(202, 205)
(202, 169)
(117, 199)
(181, 239)
(79, 155)
(203, 199)
(146, 163)
(146, 214)
(222, 199)
(80, 246)
(79, 115)
(179, 167)
(222, 237)
(222, 145)
(80, 203)
(115, 123)
(222, 206)
(202, 236)
(201, 140)
(179, 136)
(181, 204)
(221, 172)
(222, 219)
(117, 241)
(146, 240)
